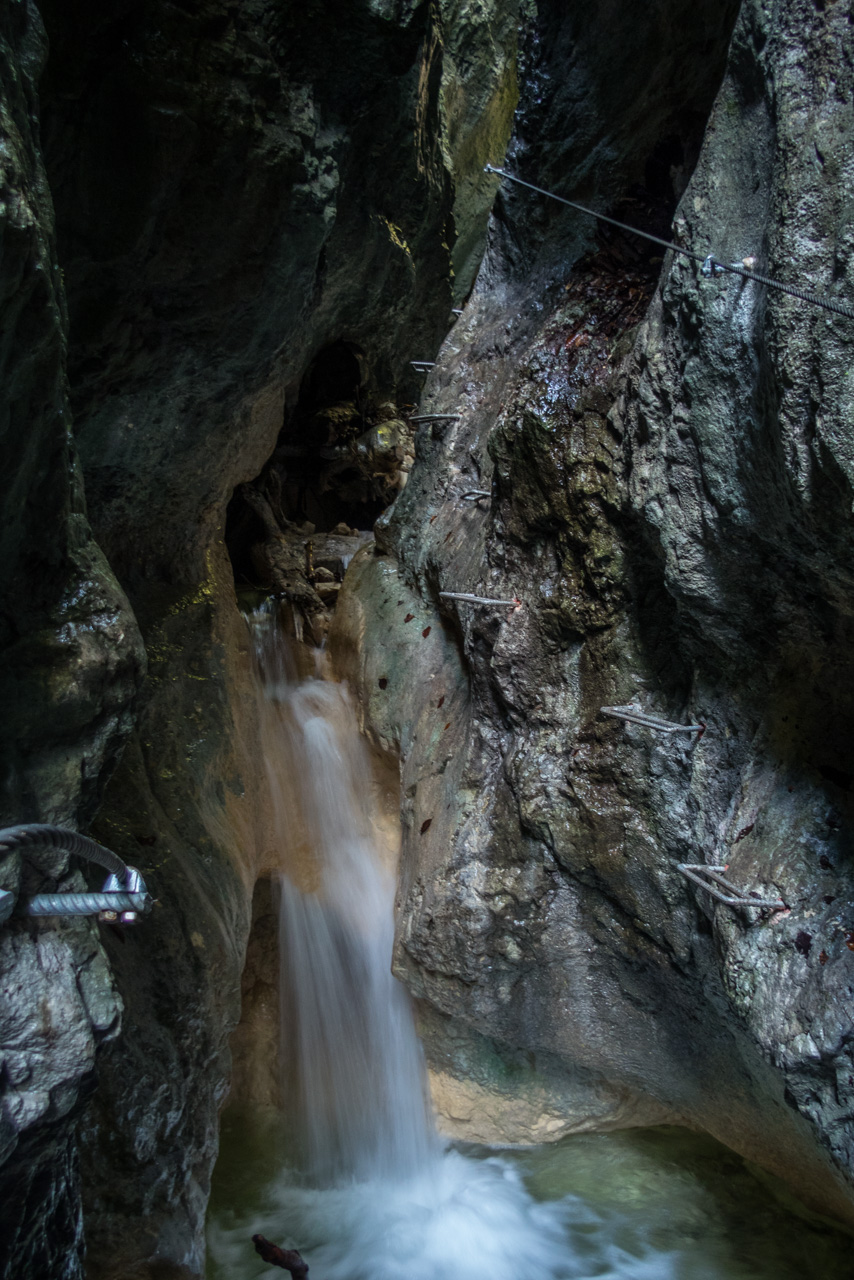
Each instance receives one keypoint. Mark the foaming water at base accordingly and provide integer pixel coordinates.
(463, 1218)
(643, 1205)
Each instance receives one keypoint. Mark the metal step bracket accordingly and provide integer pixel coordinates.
(713, 881)
(634, 715)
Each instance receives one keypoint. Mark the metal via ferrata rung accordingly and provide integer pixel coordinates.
(123, 897)
(636, 716)
(469, 599)
(734, 897)
(435, 417)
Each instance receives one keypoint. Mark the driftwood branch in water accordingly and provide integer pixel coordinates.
(287, 1259)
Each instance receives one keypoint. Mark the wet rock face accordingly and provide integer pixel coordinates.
(238, 186)
(672, 509)
(70, 662)
(59, 1003)
(738, 407)
(188, 807)
(71, 652)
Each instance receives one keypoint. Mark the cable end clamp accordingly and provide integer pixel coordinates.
(487, 168)
(711, 267)
(134, 884)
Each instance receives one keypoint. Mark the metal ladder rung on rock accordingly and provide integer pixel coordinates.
(636, 716)
(734, 897)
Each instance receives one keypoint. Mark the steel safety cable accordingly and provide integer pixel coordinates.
(36, 837)
(709, 263)
(733, 267)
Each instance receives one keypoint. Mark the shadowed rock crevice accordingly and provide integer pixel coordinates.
(290, 191)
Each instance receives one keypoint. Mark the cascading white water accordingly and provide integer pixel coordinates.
(346, 1022)
(382, 1199)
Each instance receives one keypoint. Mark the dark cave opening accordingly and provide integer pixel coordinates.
(342, 456)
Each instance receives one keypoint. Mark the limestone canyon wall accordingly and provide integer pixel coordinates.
(251, 198)
(71, 662)
(239, 187)
(671, 506)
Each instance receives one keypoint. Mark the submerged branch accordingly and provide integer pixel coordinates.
(287, 1259)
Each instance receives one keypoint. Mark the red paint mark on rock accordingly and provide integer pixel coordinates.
(383, 682)
(409, 617)
(803, 942)
(425, 825)
(441, 702)
(822, 957)
(745, 831)
(425, 633)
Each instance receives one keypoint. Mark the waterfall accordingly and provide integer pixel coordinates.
(377, 1197)
(347, 1025)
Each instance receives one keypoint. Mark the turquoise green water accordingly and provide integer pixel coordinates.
(655, 1204)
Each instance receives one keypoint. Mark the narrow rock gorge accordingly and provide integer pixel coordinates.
(228, 230)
